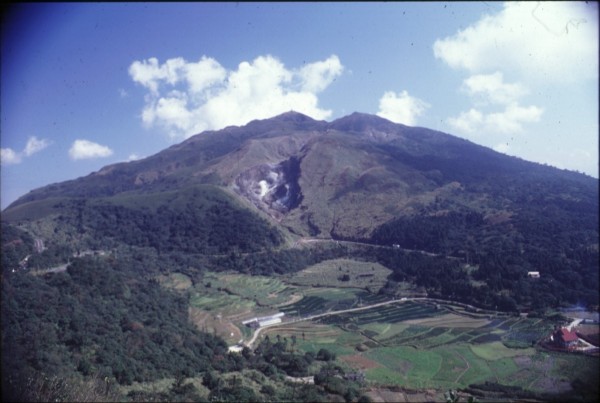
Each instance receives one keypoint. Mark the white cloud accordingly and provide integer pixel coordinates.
(173, 111)
(203, 74)
(133, 157)
(511, 119)
(508, 121)
(491, 88)
(467, 122)
(401, 108)
(556, 41)
(35, 145)
(85, 149)
(186, 98)
(319, 75)
(8, 156)
(149, 73)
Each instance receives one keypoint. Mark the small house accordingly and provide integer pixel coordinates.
(533, 274)
(564, 337)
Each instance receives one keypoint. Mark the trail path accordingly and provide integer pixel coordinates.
(466, 369)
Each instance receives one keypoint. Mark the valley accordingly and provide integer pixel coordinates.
(414, 343)
(404, 346)
(397, 261)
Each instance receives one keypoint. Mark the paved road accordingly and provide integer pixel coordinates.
(306, 240)
(55, 269)
(574, 324)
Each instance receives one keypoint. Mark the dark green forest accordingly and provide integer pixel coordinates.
(102, 319)
(199, 220)
(562, 245)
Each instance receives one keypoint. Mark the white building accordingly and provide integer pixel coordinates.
(236, 349)
(264, 320)
(267, 322)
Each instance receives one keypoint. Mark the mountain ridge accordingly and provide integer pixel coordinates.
(356, 165)
(374, 127)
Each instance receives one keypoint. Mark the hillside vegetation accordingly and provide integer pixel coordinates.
(359, 202)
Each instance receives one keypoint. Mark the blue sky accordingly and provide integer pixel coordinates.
(85, 85)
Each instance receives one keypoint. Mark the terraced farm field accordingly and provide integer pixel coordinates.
(265, 291)
(213, 323)
(425, 356)
(392, 313)
(221, 303)
(409, 343)
(422, 346)
(343, 273)
(321, 300)
(305, 333)
(460, 365)
(176, 281)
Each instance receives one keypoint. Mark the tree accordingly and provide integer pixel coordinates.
(325, 355)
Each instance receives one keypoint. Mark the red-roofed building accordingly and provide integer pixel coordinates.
(564, 337)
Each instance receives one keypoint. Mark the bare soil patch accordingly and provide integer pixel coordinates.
(590, 333)
(293, 299)
(176, 281)
(383, 396)
(208, 322)
(449, 320)
(359, 361)
(552, 385)
(522, 361)
(242, 315)
(310, 332)
(390, 396)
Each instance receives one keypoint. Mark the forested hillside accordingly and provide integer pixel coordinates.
(102, 319)
(446, 218)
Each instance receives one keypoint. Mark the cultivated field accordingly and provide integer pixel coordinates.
(265, 291)
(343, 273)
(325, 299)
(432, 347)
(209, 322)
(176, 281)
(417, 345)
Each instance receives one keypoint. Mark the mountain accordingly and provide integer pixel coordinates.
(360, 178)
(316, 177)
